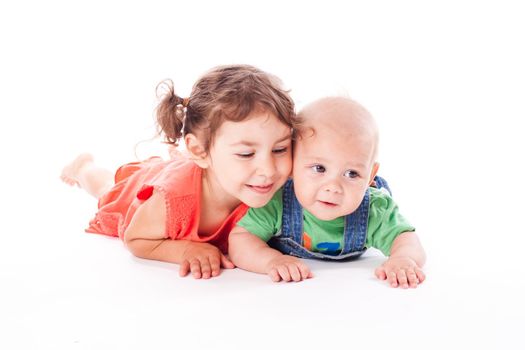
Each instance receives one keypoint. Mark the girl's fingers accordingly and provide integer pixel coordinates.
(215, 263)
(205, 267)
(205, 263)
(184, 268)
(195, 267)
(226, 262)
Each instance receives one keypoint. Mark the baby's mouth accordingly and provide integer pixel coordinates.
(328, 204)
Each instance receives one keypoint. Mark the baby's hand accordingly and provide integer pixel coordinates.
(400, 271)
(203, 260)
(288, 268)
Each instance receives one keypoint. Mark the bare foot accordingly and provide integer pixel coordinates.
(70, 173)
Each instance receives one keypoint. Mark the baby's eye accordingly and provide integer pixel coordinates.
(351, 174)
(318, 168)
(280, 150)
(245, 154)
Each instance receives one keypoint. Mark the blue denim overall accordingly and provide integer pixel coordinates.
(289, 240)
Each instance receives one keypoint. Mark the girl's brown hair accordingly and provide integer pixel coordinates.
(224, 93)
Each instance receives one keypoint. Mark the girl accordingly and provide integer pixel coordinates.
(237, 127)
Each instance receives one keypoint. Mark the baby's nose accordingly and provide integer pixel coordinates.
(332, 186)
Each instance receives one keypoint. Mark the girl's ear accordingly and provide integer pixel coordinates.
(373, 174)
(196, 150)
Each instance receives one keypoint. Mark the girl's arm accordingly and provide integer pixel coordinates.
(145, 238)
(251, 253)
(403, 267)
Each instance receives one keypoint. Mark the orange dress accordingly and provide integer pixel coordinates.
(179, 180)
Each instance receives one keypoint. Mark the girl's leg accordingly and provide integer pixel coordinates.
(85, 174)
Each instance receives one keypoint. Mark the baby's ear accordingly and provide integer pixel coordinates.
(196, 150)
(373, 173)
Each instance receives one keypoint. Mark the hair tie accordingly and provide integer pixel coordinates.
(185, 101)
(179, 111)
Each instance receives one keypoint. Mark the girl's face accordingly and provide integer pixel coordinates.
(250, 160)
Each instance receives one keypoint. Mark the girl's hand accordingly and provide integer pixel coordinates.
(288, 268)
(400, 271)
(203, 260)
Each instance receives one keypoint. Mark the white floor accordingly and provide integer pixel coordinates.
(63, 288)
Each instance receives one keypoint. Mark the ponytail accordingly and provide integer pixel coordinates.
(171, 113)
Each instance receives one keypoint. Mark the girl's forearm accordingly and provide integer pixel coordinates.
(407, 245)
(166, 250)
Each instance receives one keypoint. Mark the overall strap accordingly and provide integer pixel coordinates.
(381, 183)
(292, 214)
(356, 227)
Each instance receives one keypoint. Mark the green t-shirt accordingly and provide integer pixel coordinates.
(385, 223)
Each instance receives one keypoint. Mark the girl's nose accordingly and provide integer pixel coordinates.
(266, 167)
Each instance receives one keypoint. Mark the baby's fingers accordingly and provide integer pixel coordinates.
(305, 271)
(402, 278)
(274, 275)
(294, 272)
(420, 274)
(413, 281)
(380, 273)
(284, 273)
(392, 279)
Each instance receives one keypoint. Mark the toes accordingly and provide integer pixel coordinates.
(71, 171)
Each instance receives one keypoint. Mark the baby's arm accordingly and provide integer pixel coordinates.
(251, 253)
(403, 267)
(145, 238)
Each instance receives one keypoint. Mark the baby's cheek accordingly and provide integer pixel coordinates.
(305, 194)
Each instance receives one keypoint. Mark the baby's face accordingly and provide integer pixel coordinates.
(332, 171)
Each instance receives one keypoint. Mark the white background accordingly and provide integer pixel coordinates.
(445, 80)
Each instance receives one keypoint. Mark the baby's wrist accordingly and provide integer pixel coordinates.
(403, 258)
(273, 262)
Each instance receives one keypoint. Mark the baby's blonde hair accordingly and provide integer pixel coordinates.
(342, 115)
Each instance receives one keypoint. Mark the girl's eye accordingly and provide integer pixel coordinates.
(318, 168)
(280, 150)
(245, 155)
(351, 174)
